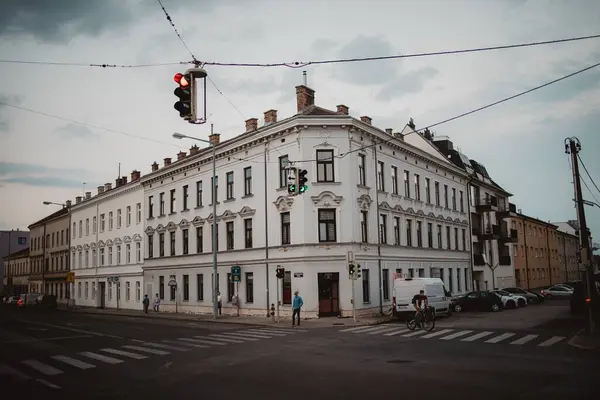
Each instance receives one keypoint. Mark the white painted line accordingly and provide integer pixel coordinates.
(137, 340)
(146, 350)
(68, 329)
(247, 335)
(240, 336)
(124, 354)
(456, 335)
(100, 357)
(73, 362)
(524, 339)
(46, 383)
(43, 368)
(285, 330)
(217, 337)
(165, 346)
(379, 332)
(438, 333)
(477, 336)
(7, 370)
(415, 333)
(375, 331)
(355, 328)
(200, 346)
(266, 332)
(551, 341)
(209, 342)
(253, 334)
(369, 329)
(501, 337)
(396, 332)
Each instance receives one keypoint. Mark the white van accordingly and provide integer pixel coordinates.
(406, 288)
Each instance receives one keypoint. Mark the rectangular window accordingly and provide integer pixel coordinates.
(229, 187)
(101, 257)
(74, 230)
(199, 240)
(429, 235)
(138, 291)
(161, 287)
(150, 207)
(327, 225)
(172, 201)
(456, 239)
(118, 255)
(448, 239)
(110, 256)
(450, 281)
(364, 223)
(87, 227)
(437, 193)
(185, 198)
(161, 244)
(386, 283)
(285, 228)
(464, 240)
(380, 177)
(461, 200)
(287, 288)
(409, 241)
(427, 191)
(446, 196)
(161, 199)
(128, 253)
(419, 234)
(94, 225)
(248, 232)
(229, 228)
(119, 219)
(186, 288)
(172, 242)
(454, 199)
(439, 237)
(247, 181)
(200, 287)
(230, 287)
(417, 179)
(394, 180)
(110, 223)
(249, 287)
(138, 212)
(397, 231)
(458, 280)
(325, 171)
(138, 250)
(214, 190)
(365, 286)
(199, 194)
(80, 231)
(383, 229)
(185, 238)
(283, 163)
(128, 216)
(362, 175)
(127, 291)
(407, 184)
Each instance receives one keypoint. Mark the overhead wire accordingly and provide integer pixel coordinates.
(587, 172)
(170, 20)
(70, 64)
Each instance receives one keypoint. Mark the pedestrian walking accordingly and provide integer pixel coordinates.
(146, 303)
(156, 303)
(297, 304)
(219, 302)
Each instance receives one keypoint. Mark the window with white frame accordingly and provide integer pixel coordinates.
(94, 225)
(127, 291)
(87, 227)
(327, 225)
(138, 252)
(102, 222)
(94, 260)
(325, 166)
(138, 212)
(128, 253)
(118, 255)
(110, 256)
(128, 217)
(87, 287)
(137, 291)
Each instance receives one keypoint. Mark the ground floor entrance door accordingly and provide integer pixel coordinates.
(329, 302)
(102, 294)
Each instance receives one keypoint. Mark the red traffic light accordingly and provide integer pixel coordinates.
(181, 79)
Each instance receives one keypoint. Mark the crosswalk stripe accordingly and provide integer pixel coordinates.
(285, 330)
(165, 346)
(415, 333)
(100, 357)
(43, 368)
(73, 362)
(264, 332)
(242, 335)
(379, 332)
(209, 342)
(7, 370)
(524, 339)
(396, 332)
(177, 343)
(124, 354)
(252, 334)
(369, 329)
(146, 350)
(217, 337)
(477, 336)
(455, 335)
(500, 338)
(273, 331)
(438, 333)
(355, 328)
(551, 341)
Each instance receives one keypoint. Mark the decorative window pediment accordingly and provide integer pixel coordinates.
(384, 206)
(160, 228)
(109, 242)
(127, 239)
(449, 219)
(398, 208)
(93, 246)
(79, 247)
(410, 210)
(465, 222)
(283, 203)
(101, 244)
(171, 227)
(457, 220)
(247, 212)
(184, 223)
(73, 249)
(228, 215)
(197, 221)
(137, 237)
(420, 212)
(441, 217)
(118, 241)
(431, 215)
(364, 202)
(210, 218)
(327, 199)
(86, 246)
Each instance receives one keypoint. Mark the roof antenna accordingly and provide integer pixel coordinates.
(304, 78)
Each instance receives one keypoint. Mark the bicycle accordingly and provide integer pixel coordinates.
(427, 321)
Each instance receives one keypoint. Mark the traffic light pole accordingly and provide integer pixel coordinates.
(353, 299)
(278, 284)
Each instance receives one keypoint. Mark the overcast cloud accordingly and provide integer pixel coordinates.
(519, 142)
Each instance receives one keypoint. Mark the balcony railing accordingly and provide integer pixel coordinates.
(491, 232)
(509, 236)
(505, 211)
(504, 260)
(486, 203)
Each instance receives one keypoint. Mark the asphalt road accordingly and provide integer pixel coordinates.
(73, 356)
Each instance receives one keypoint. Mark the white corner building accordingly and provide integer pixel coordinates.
(392, 201)
(107, 242)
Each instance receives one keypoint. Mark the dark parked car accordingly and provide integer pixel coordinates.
(478, 301)
(46, 301)
(577, 301)
(530, 296)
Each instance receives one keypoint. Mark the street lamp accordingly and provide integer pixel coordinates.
(47, 203)
(214, 213)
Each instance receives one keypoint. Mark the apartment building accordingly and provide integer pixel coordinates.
(392, 204)
(11, 241)
(489, 208)
(567, 246)
(49, 254)
(16, 268)
(106, 245)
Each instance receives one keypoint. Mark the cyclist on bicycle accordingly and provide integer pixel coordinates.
(421, 302)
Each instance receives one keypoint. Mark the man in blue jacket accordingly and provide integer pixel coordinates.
(297, 304)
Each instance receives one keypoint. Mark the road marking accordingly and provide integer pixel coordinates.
(146, 350)
(455, 335)
(43, 368)
(247, 335)
(200, 346)
(240, 336)
(285, 330)
(501, 337)
(375, 331)
(68, 329)
(477, 336)
(438, 333)
(7, 370)
(210, 342)
(73, 362)
(46, 383)
(388, 329)
(413, 334)
(38, 329)
(266, 332)
(165, 346)
(396, 332)
(100, 357)
(48, 339)
(124, 354)
(216, 337)
(354, 328)
(369, 329)
(551, 341)
(524, 339)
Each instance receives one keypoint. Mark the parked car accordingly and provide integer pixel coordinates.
(27, 299)
(46, 301)
(530, 296)
(511, 300)
(577, 301)
(557, 291)
(12, 300)
(478, 301)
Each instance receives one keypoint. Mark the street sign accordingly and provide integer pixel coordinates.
(298, 274)
(236, 273)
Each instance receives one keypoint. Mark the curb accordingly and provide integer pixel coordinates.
(573, 343)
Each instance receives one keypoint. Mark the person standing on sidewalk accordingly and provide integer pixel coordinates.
(146, 303)
(156, 303)
(219, 302)
(297, 304)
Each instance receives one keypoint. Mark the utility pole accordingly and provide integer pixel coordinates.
(573, 147)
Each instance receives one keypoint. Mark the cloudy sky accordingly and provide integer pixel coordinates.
(520, 142)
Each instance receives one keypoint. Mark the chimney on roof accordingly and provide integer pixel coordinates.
(135, 175)
(167, 161)
(270, 117)
(107, 186)
(88, 195)
(154, 166)
(389, 131)
(252, 124)
(305, 97)
(181, 155)
(123, 180)
(100, 189)
(117, 182)
(214, 139)
(194, 150)
(342, 109)
(68, 203)
(366, 120)
(77, 199)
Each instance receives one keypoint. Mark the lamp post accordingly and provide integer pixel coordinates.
(214, 213)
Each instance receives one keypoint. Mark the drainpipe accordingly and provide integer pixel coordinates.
(378, 234)
(266, 205)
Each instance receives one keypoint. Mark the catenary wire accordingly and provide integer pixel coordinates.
(175, 29)
(94, 65)
(225, 97)
(587, 172)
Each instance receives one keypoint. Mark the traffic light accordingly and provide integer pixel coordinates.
(187, 96)
(302, 179)
(292, 180)
(280, 272)
(351, 271)
(357, 271)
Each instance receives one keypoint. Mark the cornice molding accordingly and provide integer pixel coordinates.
(111, 194)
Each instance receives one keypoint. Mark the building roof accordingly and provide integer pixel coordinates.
(18, 254)
(537, 221)
(62, 212)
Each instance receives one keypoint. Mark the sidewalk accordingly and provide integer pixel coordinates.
(242, 320)
(586, 342)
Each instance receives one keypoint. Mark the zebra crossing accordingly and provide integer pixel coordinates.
(462, 335)
(60, 364)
